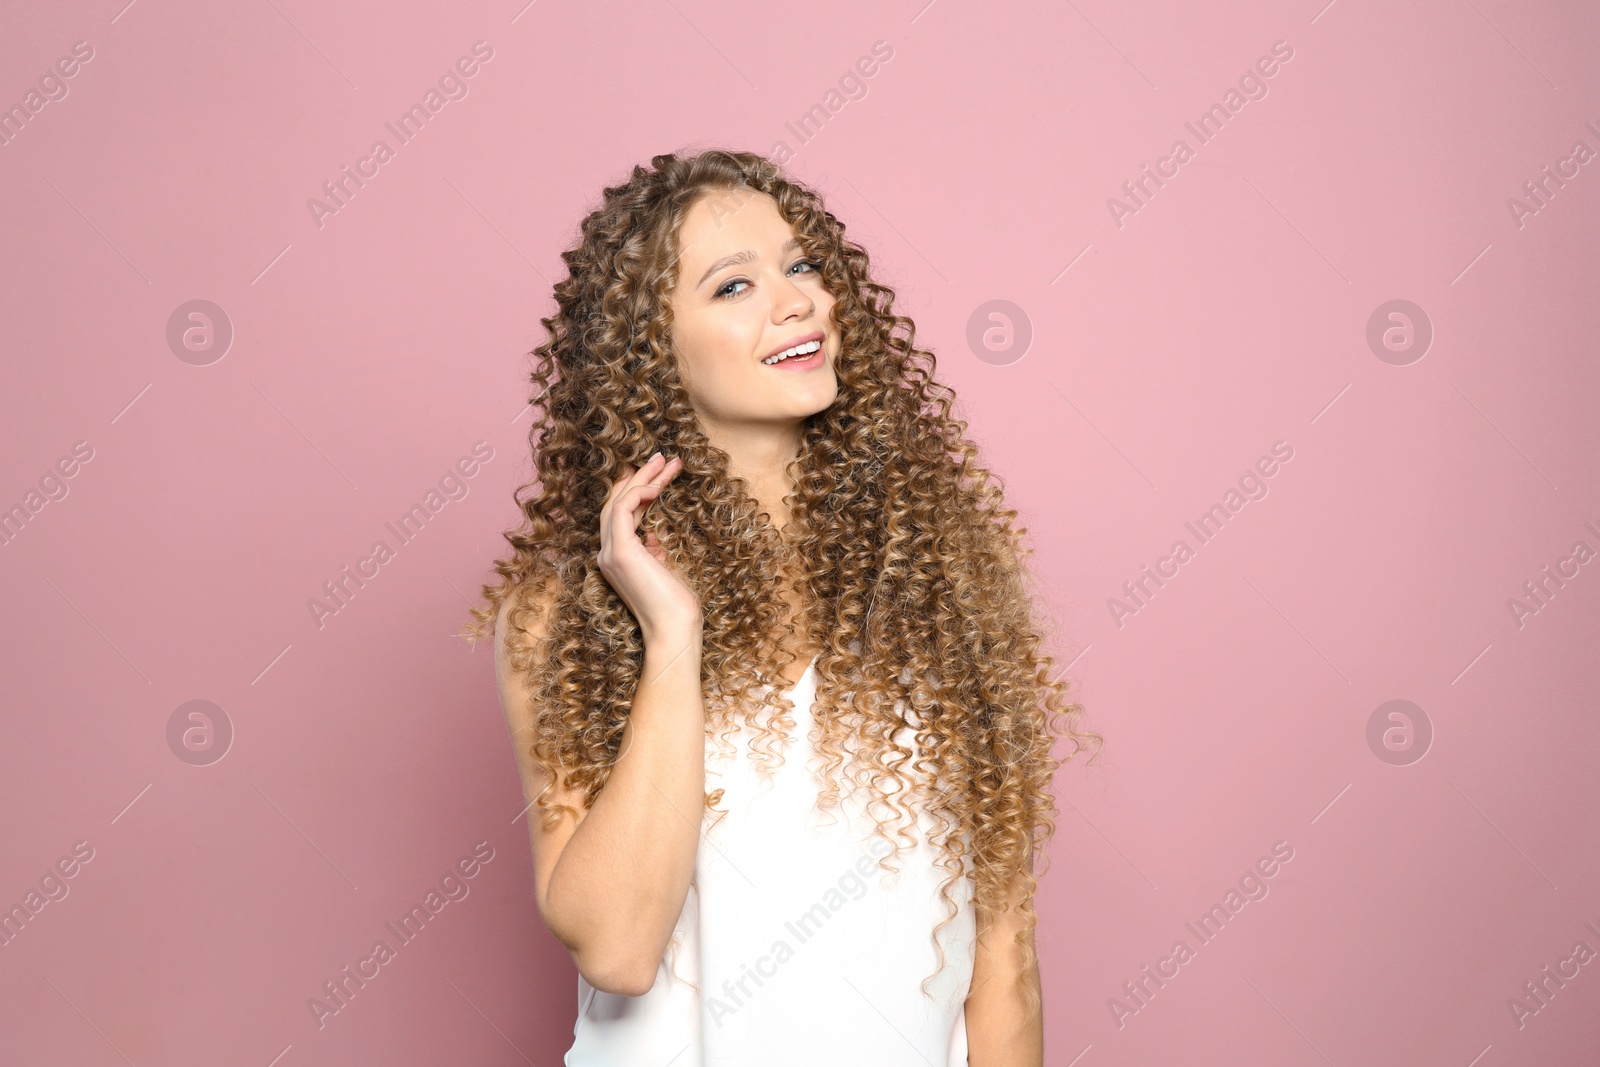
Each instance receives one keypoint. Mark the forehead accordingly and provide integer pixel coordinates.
(728, 221)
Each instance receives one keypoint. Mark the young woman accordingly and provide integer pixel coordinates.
(768, 653)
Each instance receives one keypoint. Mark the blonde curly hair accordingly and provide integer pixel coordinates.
(899, 545)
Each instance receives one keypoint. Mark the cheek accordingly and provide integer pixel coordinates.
(728, 343)
(697, 345)
(711, 356)
(825, 301)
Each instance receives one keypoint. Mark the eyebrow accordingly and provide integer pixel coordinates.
(741, 257)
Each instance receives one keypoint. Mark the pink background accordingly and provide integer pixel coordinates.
(1168, 354)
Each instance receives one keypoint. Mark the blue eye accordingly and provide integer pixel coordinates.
(725, 292)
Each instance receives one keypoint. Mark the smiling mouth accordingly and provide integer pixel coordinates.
(795, 353)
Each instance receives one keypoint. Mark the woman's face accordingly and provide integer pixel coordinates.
(744, 292)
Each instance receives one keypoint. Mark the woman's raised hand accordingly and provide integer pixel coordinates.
(637, 568)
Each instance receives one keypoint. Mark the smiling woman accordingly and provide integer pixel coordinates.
(743, 318)
(766, 618)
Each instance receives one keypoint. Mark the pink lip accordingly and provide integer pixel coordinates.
(801, 363)
(815, 335)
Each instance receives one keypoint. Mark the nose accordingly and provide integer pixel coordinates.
(790, 302)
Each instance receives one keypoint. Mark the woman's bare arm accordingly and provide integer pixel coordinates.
(611, 882)
(1001, 1031)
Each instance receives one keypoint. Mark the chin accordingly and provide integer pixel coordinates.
(823, 403)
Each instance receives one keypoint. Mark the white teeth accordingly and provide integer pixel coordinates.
(798, 350)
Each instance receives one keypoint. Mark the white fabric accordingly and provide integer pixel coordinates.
(789, 901)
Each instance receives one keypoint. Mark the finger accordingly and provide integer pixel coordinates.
(669, 470)
(657, 485)
(628, 510)
(638, 477)
(605, 506)
(628, 478)
(637, 500)
(611, 495)
(628, 471)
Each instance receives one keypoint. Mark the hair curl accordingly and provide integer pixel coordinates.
(902, 550)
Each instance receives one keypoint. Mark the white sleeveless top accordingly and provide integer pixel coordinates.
(793, 946)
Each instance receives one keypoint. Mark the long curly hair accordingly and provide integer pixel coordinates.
(900, 547)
